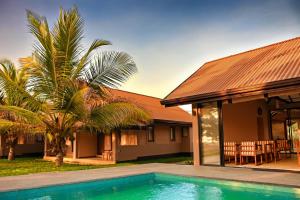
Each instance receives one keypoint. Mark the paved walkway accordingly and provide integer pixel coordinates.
(240, 174)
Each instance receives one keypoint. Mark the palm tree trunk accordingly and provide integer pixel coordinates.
(59, 159)
(60, 152)
(11, 153)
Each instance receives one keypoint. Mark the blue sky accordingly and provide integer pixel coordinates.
(168, 39)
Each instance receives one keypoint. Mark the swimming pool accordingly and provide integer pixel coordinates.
(156, 186)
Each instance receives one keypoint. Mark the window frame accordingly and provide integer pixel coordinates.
(183, 133)
(127, 133)
(172, 131)
(150, 130)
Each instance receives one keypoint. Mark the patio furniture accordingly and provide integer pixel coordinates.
(231, 149)
(267, 149)
(276, 150)
(284, 146)
(107, 155)
(250, 149)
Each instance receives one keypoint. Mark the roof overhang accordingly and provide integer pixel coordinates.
(265, 89)
(171, 122)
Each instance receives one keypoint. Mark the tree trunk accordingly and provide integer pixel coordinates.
(11, 153)
(60, 143)
(59, 159)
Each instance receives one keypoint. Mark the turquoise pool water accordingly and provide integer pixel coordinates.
(156, 187)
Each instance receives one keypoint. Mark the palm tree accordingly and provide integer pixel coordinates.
(68, 86)
(12, 126)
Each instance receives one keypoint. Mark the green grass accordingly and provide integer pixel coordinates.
(30, 165)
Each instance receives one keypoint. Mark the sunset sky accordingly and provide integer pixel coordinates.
(168, 39)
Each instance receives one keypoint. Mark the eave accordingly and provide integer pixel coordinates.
(259, 89)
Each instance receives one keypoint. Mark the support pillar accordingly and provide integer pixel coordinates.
(45, 145)
(221, 133)
(196, 135)
(114, 145)
(75, 144)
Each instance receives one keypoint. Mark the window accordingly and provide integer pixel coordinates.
(128, 138)
(21, 140)
(185, 131)
(150, 134)
(39, 139)
(172, 134)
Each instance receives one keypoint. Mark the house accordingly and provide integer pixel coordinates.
(26, 145)
(168, 133)
(245, 98)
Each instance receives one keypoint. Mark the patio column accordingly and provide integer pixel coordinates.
(221, 132)
(114, 145)
(196, 135)
(75, 145)
(45, 145)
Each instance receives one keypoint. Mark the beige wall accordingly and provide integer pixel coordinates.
(161, 145)
(240, 121)
(86, 145)
(278, 130)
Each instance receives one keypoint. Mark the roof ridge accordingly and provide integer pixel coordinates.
(255, 49)
(137, 93)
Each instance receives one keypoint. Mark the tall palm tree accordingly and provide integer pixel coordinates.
(68, 86)
(12, 126)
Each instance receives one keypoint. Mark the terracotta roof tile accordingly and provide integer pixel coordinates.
(272, 63)
(153, 106)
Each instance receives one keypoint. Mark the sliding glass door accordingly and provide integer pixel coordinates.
(210, 136)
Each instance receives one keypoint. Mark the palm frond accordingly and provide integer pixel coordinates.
(71, 100)
(23, 115)
(9, 68)
(5, 125)
(67, 35)
(19, 128)
(44, 48)
(116, 115)
(13, 85)
(77, 72)
(109, 69)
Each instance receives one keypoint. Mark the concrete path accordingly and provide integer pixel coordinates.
(227, 173)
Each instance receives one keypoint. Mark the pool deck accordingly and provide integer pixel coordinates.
(226, 173)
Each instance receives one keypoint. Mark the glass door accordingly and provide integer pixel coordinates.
(210, 137)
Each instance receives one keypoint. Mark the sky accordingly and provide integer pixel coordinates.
(168, 39)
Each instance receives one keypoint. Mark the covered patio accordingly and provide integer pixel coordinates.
(246, 108)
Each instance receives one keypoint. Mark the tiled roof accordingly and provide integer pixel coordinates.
(153, 107)
(258, 67)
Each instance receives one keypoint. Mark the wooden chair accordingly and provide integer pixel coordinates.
(276, 150)
(284, 146)
(250, 149)
(267, 149)
(231, 149)
(107, 155)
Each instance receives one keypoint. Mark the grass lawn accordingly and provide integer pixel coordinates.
(31, 165)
